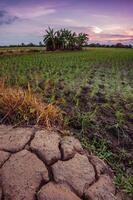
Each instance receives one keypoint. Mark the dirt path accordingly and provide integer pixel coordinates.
(42, 165)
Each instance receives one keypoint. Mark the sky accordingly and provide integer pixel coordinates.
(105, 21)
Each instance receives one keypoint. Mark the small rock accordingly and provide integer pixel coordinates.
(46, 145)
(52, 191)
(3, 157)
(15, 139)
(21, 176)
(100, 166)
(69, 146)
(76, 173)
(103, 189)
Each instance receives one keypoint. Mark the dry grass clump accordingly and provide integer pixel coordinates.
(24, 107)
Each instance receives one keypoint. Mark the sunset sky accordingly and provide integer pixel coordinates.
(106, 21)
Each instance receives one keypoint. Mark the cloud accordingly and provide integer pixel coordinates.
(100, 16)
(112, 33)
(31, 12)
(5, 18)
(2, 13)
(94, 29)
(129, 32)
(68, 20)
(12, 14)
(113, 28)
(111, 38)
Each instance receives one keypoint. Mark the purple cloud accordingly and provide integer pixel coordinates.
(5, 18)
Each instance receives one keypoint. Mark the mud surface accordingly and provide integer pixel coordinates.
(43, 165)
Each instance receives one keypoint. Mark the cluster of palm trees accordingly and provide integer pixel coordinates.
(64, 39)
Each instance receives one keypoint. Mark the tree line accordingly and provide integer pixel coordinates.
(64, 39)
(117, 45)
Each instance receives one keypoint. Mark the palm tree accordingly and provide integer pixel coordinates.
(67, 36)
(58, 40)
(82, 39)
(61, 38)
(73, 41)
(64, 39)
(49, 39)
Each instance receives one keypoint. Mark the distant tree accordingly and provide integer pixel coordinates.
(22, 44)
(82, 40)
(30, 44)
(49, 39)
(119, 45)
(40, 44)
(129, 46)
(64, 39)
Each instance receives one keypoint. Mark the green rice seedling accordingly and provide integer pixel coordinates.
(120, 118)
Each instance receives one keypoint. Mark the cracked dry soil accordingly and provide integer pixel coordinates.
(43, 165)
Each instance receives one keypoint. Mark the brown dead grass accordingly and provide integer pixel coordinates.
(24, 107)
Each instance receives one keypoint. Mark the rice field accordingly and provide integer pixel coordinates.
(94, 90)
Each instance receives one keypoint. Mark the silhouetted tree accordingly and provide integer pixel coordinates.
(40, 44)
(49, 39)
(64, 39)
(119, 45)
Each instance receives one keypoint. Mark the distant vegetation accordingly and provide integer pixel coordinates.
(23, 45)
(64, 39)
(117, 45)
